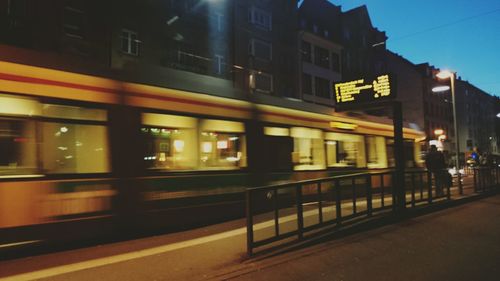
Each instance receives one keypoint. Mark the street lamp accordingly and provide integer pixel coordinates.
(446, 74)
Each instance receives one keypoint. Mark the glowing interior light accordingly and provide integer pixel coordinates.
(233, 138)
(331, 142)
(179, 145)
(206, 147)
(63, 129)
(63, 148)
(222, 144)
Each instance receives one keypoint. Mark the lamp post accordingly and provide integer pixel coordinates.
(446, 74)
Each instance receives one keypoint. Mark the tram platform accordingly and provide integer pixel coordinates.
(457, 243)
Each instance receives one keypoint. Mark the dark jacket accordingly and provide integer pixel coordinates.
(434, 161)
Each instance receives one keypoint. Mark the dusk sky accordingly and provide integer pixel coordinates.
(460, 35)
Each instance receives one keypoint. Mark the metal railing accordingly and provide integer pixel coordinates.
(293, 210)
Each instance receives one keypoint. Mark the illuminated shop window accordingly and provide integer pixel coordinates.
(170, 141)
(308, 149)
(222, 145)
(74, 148)
(376, 152)
(345, 150)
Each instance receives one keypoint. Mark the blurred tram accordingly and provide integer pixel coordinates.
(83, 156)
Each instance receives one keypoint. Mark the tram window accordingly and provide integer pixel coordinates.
(170, 149)
(222, 145)
(170, 141)
(17, 147)
(308, 149)
(222, 150)
(74, 148)
(376, 152)
(345, 150)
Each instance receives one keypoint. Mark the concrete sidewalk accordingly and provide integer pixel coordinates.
(218, 252)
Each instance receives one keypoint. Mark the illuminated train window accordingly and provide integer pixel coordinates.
(187, 143)
(345, 150)
(64, 146)
(308, 152)
(222, 145)
(17, 147)
(170, 141)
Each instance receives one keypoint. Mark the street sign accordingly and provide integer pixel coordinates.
(362, 92)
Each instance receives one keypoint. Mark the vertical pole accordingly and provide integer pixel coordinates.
(382, 195)
(338, 202)
(413, 190)
(353, 185)
(249, 222)
(429, 187)
(320, 203)
(300, 212)
(276, 212)
(399, 156)
(455, 125)
(369, 206)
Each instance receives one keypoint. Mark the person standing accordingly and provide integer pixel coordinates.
(435, 163)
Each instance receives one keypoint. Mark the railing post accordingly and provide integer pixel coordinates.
(320, 203)
(249, 222)
(338, 202)
(276, 212)
(382, 189)
(300, 212)
(429, 187)
(353, 186)
(421, 177)
(475, 180)
(412, 190)
(448, 185)
(369, 207)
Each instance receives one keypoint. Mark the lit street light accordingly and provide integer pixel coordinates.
(446, 74)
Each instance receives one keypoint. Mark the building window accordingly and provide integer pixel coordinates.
(322, 87)
(326, 33)
(306, 84)
(335, 62)
(219, 64)
(261, 82)
(220, 21)
(260, 18)
(74, 21)
(315, 28)
(306, 52)
(261, 49)
(321, 57)
(130, 42)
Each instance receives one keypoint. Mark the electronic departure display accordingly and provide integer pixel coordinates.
(364, 91)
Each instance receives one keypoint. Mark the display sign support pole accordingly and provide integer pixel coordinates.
(399, 180)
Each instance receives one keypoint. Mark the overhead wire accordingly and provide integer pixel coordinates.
(445, 25)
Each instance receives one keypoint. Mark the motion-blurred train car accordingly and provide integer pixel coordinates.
(83, 156)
